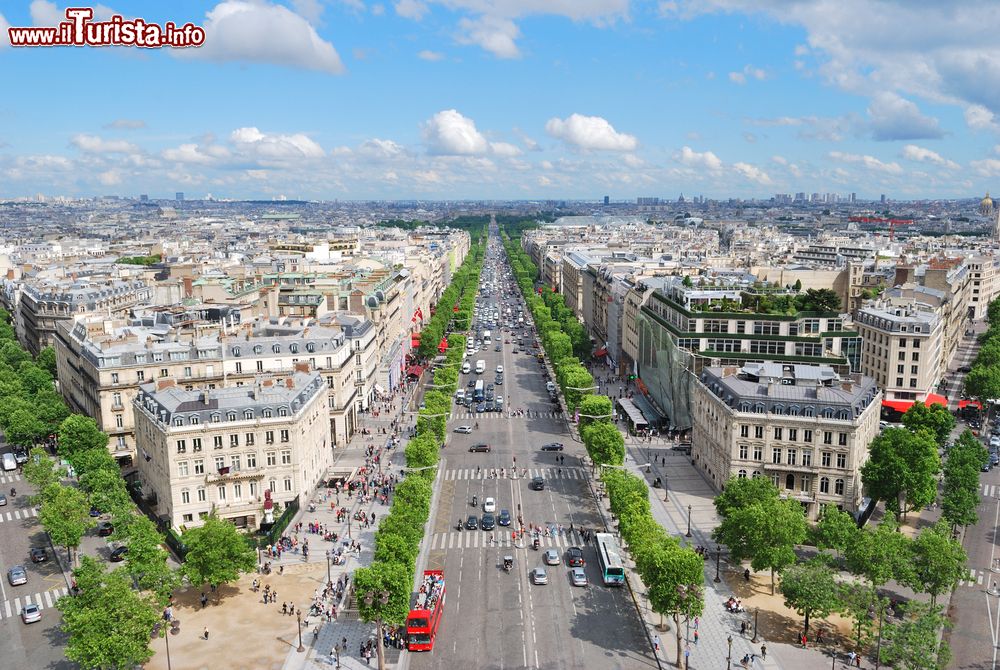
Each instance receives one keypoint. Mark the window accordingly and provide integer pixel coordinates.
(807, 435)
(842, 461)
(742, 474)
(758, 432)
(164, 372)
(201, 494)
(715, 326)
(268, 413)
(185, 496)
(114, 377)
(216, 418)
(116, 400)
(181, 446)
(253, 489)
(177, 421)
(120, 421)
(272, 486)
(217, 442)
(805, 483)
(276, 348)
(793, 434)
(916, 343)
(269, 437)
(257, 349)
(282, 411)
(792, 455)
(807, 457)
(811, 326)
(222, 491)
(234, 462)
(777, 432)
(248, 414)
(915, 357)
(251, 460)
(288, 483)
(195, 444)
(776, 455)
(767, 328)
(901, 356)
(239, 367)
(824, 484)
(767, 347)
(284, 436)
(249, 439)
(900, 369)
(234, 440)
(230, 416)
(195, 420)
(744, 431)
(286, 457)
(199, 466)
(826, 458)
(838, 487)
(913, 370)
(182, 468)
(237, 492)
(157, 358)
(808, 349)
(260, 366)
(744, 451)
(913, 383)
(272, 458)
(827, 437)
(842, 439)
(758, 453)
(236, 352)
(775, 479)
(220, 462)
(140, 375)
(789, 481)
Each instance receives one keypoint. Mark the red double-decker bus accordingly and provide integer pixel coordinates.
(425, 617)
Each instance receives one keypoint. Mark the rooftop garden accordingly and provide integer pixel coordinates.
(761, 302)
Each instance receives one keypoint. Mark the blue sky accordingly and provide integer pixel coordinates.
(354, 99)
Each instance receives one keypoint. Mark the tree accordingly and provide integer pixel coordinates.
(936, 419)
(938, 562)
(393, 579)
(12, 354)
(42, 471)
(50, 409)
(46, 359)
(810, 589)
(217, 553)
(836, 529)
(901, 469)
(80, 433)
(881, 554)
(740, 492)
(34, 378)
(857, 601)
(559, 346)
(24, 428)
(109, 623)
(765, 532)
(107, 489)
(913, 644)
(983, 382)
(674, 579)
(146, 560)
(687, 281)
(595, 408)
(820, 300)
(960, 496)
(604, 443)
(798, 285)
(65, 515)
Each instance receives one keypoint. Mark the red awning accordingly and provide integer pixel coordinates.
(603, 351)
(935, 399)
(414, 340)
(414, 371)
(443, 345)
(962, 404)
(903, 405)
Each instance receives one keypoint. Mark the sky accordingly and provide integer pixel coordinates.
(510, 99)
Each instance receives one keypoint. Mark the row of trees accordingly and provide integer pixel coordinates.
(454, 306)
(983, 381)
(673, 575)
(397, 540)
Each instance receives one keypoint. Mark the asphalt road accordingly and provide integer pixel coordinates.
(42, 644)
(497, 620)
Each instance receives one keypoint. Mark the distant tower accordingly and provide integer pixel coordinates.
(986, 205)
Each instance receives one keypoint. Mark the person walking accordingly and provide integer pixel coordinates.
(204, 600)
(656, 643)
(763, 651)
(696, 636)
(205, 634)
(743, 628)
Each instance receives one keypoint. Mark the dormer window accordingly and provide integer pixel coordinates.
(216, 418)
(276, 348)
(236, 352)
(293, 348)
(268, 413)
(257, 349)
(195, 420)
(282, 411)
(248, 414)
(231, 416)
(178, 421)
(310, 347)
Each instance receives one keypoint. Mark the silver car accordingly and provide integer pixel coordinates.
(17, 575)
(31, 613)
(539, 576)
(551, 557)
(579, 577)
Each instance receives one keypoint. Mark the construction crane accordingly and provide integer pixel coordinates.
(891, 223)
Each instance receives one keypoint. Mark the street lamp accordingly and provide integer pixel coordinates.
(729, 657)
(878, 643)
(688, 534)
(298, 618)
(756, 611)
(329, 578)
(718, 557)
(383, 598)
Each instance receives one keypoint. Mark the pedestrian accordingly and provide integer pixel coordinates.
(850, 658)
(804, 640)
(206, 633)
(743, 628)
(656, 643)
(763, 651)
(284, 608)
(204, 600)
(696, 636)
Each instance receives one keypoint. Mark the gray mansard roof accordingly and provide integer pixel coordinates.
(267, 399)
(795, 390)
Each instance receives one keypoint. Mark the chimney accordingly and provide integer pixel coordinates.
(290, 383)
(165, 384)
(301, 366)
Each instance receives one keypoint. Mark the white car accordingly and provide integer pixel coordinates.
(30, 613)
(467, 430)
(490, 505)
(499, 369)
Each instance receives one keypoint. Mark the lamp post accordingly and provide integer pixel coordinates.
(756, 611)
(718, 557)
(383, 598)
(878, 643)
(298, 618)
(729, 657)
(688, 534)
(329, 578)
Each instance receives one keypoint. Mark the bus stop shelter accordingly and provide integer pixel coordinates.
(635, 416)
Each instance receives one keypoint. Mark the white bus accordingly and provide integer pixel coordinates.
(480, 366)
(610, 560)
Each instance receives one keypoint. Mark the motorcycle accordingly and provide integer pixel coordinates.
(475, 501)
(459, 525)
(535, 544)
(508, 563)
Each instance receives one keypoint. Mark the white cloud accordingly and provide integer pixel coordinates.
(780, 160)
(378, 9)
(110, 178)
(590, 132)
(278, 147)
(748, 72)
(126, 124)
(311, 10)
(493, 34)
(240, 30)
(752, 173)
(411, 9)
(921, 155)
(504, 149)
(450, 133)
(896, 118)
(4, 37)
(988, 167)
(381, 148)
(869, 162)
(978, 117)
(427, 54)
(691, 158)
(97, 145)
(45, 13)
(195, 154)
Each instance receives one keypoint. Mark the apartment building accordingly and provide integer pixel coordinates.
(807, 428)
(101, 364)
(984, 272)
(219, 450)
(903, 335)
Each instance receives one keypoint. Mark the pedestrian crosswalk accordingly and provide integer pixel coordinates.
(16, 514)
(546, 473)
(9, 479)
(979, 579)
(479, 539)
(485, 416)
(44, 600)
(991, 490)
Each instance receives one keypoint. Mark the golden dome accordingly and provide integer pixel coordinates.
(986, 205)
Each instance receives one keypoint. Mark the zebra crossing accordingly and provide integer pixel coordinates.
(479, 539)
(17, 514)
(991, 490)
(486, 416)
(10, 479)
(546, 473)
(979, 579)
(45, 600)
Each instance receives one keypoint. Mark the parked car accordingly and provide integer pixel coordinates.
(38, 554)
(118, 554)
(105, 528)
(17, 575)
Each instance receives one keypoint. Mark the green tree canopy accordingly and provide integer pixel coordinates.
(392, 580)
(881, 554)
(810, 589)
(938, 561)
(65, 515)
(595, 406)
(936, 419)
(913, 643)
(24, 428)
(217, 553)
(604, 443)
(79, 433)
(836, 529)
(42, 471)
(983, 382)
(46, 359)
(674, 579)
(901, 469)
(960, 497)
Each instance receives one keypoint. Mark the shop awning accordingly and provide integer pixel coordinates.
(935, 399)
(962, 404)
(414, 371)
(902, 405)
(414, 340)
(443, 345)
(603, 351)
(634, 415)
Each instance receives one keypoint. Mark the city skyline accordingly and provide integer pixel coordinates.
(407, 99)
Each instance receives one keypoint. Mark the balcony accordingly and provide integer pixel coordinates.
(229, 474)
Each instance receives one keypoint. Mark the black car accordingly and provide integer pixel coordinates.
(38, 555)
(503, 518)
(499, 380)
(574, 557)
(118, 554)
(552, 446)
(489, 522)
(491, 406)
(965, 368)
(481, 407)
(471, 384)
(537, 484)
(105, 528)
(480, 447)
(473, 522)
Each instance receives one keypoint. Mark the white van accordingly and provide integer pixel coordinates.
(480, 366)
(499, 402)
(466, 368)
(460, 395)
(9, 463)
